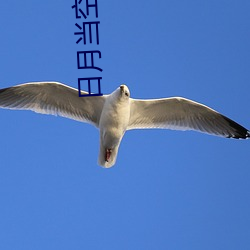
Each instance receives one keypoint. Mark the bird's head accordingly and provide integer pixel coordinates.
(121, 93)
(124, 91)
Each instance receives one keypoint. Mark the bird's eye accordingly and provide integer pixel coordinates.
(126, 93)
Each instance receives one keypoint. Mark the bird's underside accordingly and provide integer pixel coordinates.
(117, 112)
(108, 154)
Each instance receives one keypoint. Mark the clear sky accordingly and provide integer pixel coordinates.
(169, 189)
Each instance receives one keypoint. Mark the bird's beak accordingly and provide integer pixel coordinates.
(122, 88)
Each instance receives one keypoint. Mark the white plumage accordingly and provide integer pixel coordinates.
(115, 113)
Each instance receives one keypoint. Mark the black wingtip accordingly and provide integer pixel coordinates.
(239, 131)
(3, 90)
(248, 134)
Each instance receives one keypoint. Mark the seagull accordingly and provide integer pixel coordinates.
(116, 113)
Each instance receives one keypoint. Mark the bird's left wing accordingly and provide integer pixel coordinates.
(53, 98)
(182, 114)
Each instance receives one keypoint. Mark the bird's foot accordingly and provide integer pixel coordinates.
(108, 154)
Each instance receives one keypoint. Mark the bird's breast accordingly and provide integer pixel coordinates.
(114, 119)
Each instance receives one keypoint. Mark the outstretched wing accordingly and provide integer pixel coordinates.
(182, 114)
(53, 98)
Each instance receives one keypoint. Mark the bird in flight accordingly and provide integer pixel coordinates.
(116, 113)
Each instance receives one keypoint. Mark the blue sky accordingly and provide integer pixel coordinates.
(168, 189)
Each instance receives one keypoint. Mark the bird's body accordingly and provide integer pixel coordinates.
(116, 113)
(113, 124)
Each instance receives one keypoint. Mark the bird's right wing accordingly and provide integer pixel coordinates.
(53, 98)
(182, 114)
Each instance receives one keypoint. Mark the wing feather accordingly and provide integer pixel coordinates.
(182, 114)
(53, 98)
